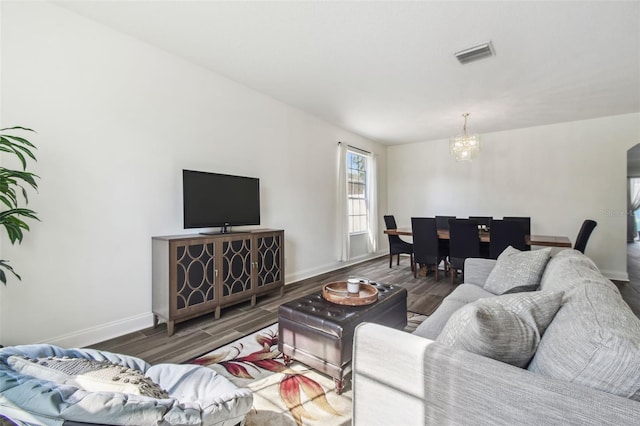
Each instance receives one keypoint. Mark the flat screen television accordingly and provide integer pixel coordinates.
(213, 199)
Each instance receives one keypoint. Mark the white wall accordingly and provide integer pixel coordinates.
(117, 121)
(559, 175)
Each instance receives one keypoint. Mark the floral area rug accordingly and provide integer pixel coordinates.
(293, 395)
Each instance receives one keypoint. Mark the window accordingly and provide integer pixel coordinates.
(357, 200)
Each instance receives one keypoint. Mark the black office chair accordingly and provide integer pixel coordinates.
(426, 246)
(397, 245)
(464, 242)
(525, 222)
(583, 235)
(505, 233)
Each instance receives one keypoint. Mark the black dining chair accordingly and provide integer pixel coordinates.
(583, 235)
(505, 233)
(442, 222)
(482, 220)
(486, 222)
(525, 223)
(426, 245)
(464, 242)
(397, 245)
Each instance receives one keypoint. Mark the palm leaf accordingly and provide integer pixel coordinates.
(12, 181)
(18, 128)
(18, 146)
(4, 264)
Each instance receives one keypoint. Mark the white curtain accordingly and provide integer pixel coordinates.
(372, 186)
(633, 204)
(342, 211)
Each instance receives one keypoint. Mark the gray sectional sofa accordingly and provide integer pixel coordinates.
(565, 354)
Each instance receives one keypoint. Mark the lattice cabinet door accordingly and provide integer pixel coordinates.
(195, 266)
(269, 263)
(236, 268)
(183, 279)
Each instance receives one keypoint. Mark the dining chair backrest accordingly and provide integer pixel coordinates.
(396, 244)
(464, 241)
(525, 222)
(425, 240)
(482, 220)
(505, 233)
(583, 235)
(442, 222)
(390, 222)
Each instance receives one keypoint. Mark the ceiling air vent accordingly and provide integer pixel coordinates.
(474, 53)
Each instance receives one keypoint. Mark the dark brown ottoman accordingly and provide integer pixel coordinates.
(319, 333)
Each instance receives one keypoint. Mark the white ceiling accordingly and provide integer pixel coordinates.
(386, 70)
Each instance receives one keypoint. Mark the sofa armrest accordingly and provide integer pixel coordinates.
(400, 378)
(477, 270)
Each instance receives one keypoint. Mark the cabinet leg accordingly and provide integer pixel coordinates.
(217, 314)
(155, 321)
(253, 300)
(281, 291)
(170, 325)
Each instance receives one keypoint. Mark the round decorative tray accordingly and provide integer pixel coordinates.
(336, 292)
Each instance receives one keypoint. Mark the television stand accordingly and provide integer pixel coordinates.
(194, 275)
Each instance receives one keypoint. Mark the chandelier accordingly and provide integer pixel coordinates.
(464, 147)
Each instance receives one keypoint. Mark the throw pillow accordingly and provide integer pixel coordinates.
(506, 328)
(88, 374)
(515, 268)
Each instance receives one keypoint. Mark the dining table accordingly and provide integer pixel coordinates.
(485, 237)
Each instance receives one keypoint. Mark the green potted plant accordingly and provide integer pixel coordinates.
(12, 184)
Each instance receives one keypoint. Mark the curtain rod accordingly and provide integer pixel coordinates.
(355, 148)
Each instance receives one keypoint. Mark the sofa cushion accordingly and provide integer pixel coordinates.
(506, 328)
(516, 268)
(88, 374)
(594, 339)
(567, 269)
(460, 296)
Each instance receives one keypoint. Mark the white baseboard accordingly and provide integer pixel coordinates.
(312, 272)
(100, 333)
(615, 275)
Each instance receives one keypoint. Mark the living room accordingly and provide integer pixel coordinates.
(118, 119)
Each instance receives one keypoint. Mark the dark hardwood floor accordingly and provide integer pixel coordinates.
(200, 335)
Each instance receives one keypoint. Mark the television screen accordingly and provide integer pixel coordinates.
(212, 199)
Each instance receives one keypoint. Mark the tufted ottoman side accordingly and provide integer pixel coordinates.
(319, 333)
